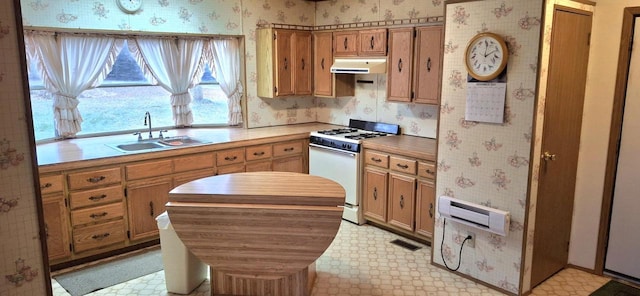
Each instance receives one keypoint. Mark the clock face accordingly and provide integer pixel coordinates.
(129, 6)
(486, 56)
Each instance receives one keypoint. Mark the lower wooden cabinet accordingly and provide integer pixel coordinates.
(56, 227)
(145, 201)
(398, 193)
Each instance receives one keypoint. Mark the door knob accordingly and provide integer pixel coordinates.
(548, 156)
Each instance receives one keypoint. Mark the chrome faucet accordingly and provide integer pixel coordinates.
(148, 115)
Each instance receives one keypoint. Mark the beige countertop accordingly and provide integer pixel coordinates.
(94, 151)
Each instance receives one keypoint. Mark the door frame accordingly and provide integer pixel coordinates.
(624, 60)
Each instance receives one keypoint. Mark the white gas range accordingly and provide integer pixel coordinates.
(335, 154)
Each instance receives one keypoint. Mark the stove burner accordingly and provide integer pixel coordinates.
(338, 131)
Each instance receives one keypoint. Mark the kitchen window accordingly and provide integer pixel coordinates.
(121, 101)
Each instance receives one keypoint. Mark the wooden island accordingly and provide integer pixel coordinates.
(259, 232)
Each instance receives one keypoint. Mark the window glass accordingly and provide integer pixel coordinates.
(120, 103)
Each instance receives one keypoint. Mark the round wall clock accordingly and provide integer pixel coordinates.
(486, 56)
(129, 6)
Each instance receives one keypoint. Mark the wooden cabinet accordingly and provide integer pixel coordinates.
(56, 225)
(145, 201)
(289, 157)
(284, 63)
(399, 193)
(325, 83)
(360, 43)
(97, 208)
(414, 66)
(258, 158)
(230, 161)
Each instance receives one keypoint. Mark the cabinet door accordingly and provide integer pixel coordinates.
(294, 164)
(303, 63)
(345, 43)
(373, 42)
(401, 201)
(425, 208)
(258, 166)
(427, 76)
(400, 64)
(375, 195)
(323, 58)
(284, 64)
(145, 201)
(56, 227)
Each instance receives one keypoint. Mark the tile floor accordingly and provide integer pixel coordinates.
(361, 261)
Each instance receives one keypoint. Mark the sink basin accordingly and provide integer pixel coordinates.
(138, 146)
(156, 144)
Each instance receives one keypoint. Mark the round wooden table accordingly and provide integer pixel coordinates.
(259, 232)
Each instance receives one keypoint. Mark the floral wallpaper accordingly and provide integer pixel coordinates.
(484, 163)
(21, 260)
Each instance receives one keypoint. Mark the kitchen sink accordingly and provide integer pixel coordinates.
(157, 144)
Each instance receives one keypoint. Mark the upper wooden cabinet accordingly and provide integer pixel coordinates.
(414, 67)
(283, 62)
(325, 83)
(360, 43)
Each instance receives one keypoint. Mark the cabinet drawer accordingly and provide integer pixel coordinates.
(376, 159)
(99, 235)
(96, 214)
(193, 162)
(258, 152)
(50, 184)
(427, 170)
(231, 156)
(289, 148)
(404, 165)
(96, 197)
(94, 178)
(149, 169)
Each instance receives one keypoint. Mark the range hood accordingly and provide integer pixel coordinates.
(359, 66)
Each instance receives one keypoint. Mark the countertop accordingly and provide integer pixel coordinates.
(74, 153)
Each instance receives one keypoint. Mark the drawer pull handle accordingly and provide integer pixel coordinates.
(97, 197)
(371, 42)
(231, 158)
(431, 210)
(261, 153)
(399, 65)
(302, 64)
(402, 201)
(403, 166)
(98, 216)
(376, 159)
(345, 43)
(375, 193)
(289, 149)
(46, 185)
(151, 212)
(429, 65)
(322, 63)
(430, 172)
(100, 236)
(96, 179)
(286, 63)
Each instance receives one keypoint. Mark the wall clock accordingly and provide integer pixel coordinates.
(129, 6)
(486, 56)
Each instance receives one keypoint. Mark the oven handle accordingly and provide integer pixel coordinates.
(311, 145)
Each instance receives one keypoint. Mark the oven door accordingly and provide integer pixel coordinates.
(344, 168)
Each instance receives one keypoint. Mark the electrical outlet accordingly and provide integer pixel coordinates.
(472, 241)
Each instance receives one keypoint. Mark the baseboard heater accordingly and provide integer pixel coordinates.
(475, 215)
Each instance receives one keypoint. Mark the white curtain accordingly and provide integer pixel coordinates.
(226, 57)
(177, 65)
(68, 65)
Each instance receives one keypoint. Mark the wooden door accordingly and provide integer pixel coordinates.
(560, 141)
(425, 208)
(56, 226)
(345, 44)
(401, 201)
(426, 81)
(284, 63)
(626, 205)
(323, 58)
(400, 64)
(303, 63)
(375, 195)
(146, 200)
(294, 164)
(372, 42)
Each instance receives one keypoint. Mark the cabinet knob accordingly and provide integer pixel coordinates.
(46, 185)
(96, 179)
(400, 65)
(230, 158)
(431, 210)
(151, 211)
(371, 42)
(322, 63)
(429, 65)
(302, 64)
(375, 193)
(345, 43)
(402, 201)
(286, 63)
